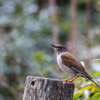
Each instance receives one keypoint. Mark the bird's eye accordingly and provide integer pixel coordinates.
(59, 47)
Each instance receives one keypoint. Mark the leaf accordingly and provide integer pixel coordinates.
(86, 88)
(96, 74)
(96, 96)
(38, 57)
(78, 79)
(94, 89)
(77, 95)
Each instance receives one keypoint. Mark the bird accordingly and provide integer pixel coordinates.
(70, 64)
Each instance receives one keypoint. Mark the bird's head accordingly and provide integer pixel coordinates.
(59, 48)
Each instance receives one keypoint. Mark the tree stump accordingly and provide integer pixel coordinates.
(40, 88)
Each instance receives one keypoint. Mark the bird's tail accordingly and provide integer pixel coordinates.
(95, 82)
(87, 76)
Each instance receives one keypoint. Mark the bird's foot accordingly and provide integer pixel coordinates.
(65, 80)
(70, 81)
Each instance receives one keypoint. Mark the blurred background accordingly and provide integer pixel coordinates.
(27, 29)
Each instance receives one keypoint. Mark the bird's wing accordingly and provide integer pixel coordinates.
(69, 60)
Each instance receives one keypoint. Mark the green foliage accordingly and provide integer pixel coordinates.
(39, 57)
(25, 38)
(85, 88)
(93, 92)
(81, 1)
(96, 74)
(96, 96)
(77, 95)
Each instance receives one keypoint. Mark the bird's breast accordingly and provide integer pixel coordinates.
(63, 67)
(59, 60)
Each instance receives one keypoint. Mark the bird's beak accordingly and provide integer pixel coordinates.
(54, 46)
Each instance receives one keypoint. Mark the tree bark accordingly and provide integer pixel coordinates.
(89, 55)
(55, 30)
(73, 26)
(39, 88)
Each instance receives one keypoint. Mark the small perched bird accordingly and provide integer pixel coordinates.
(69, 64)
